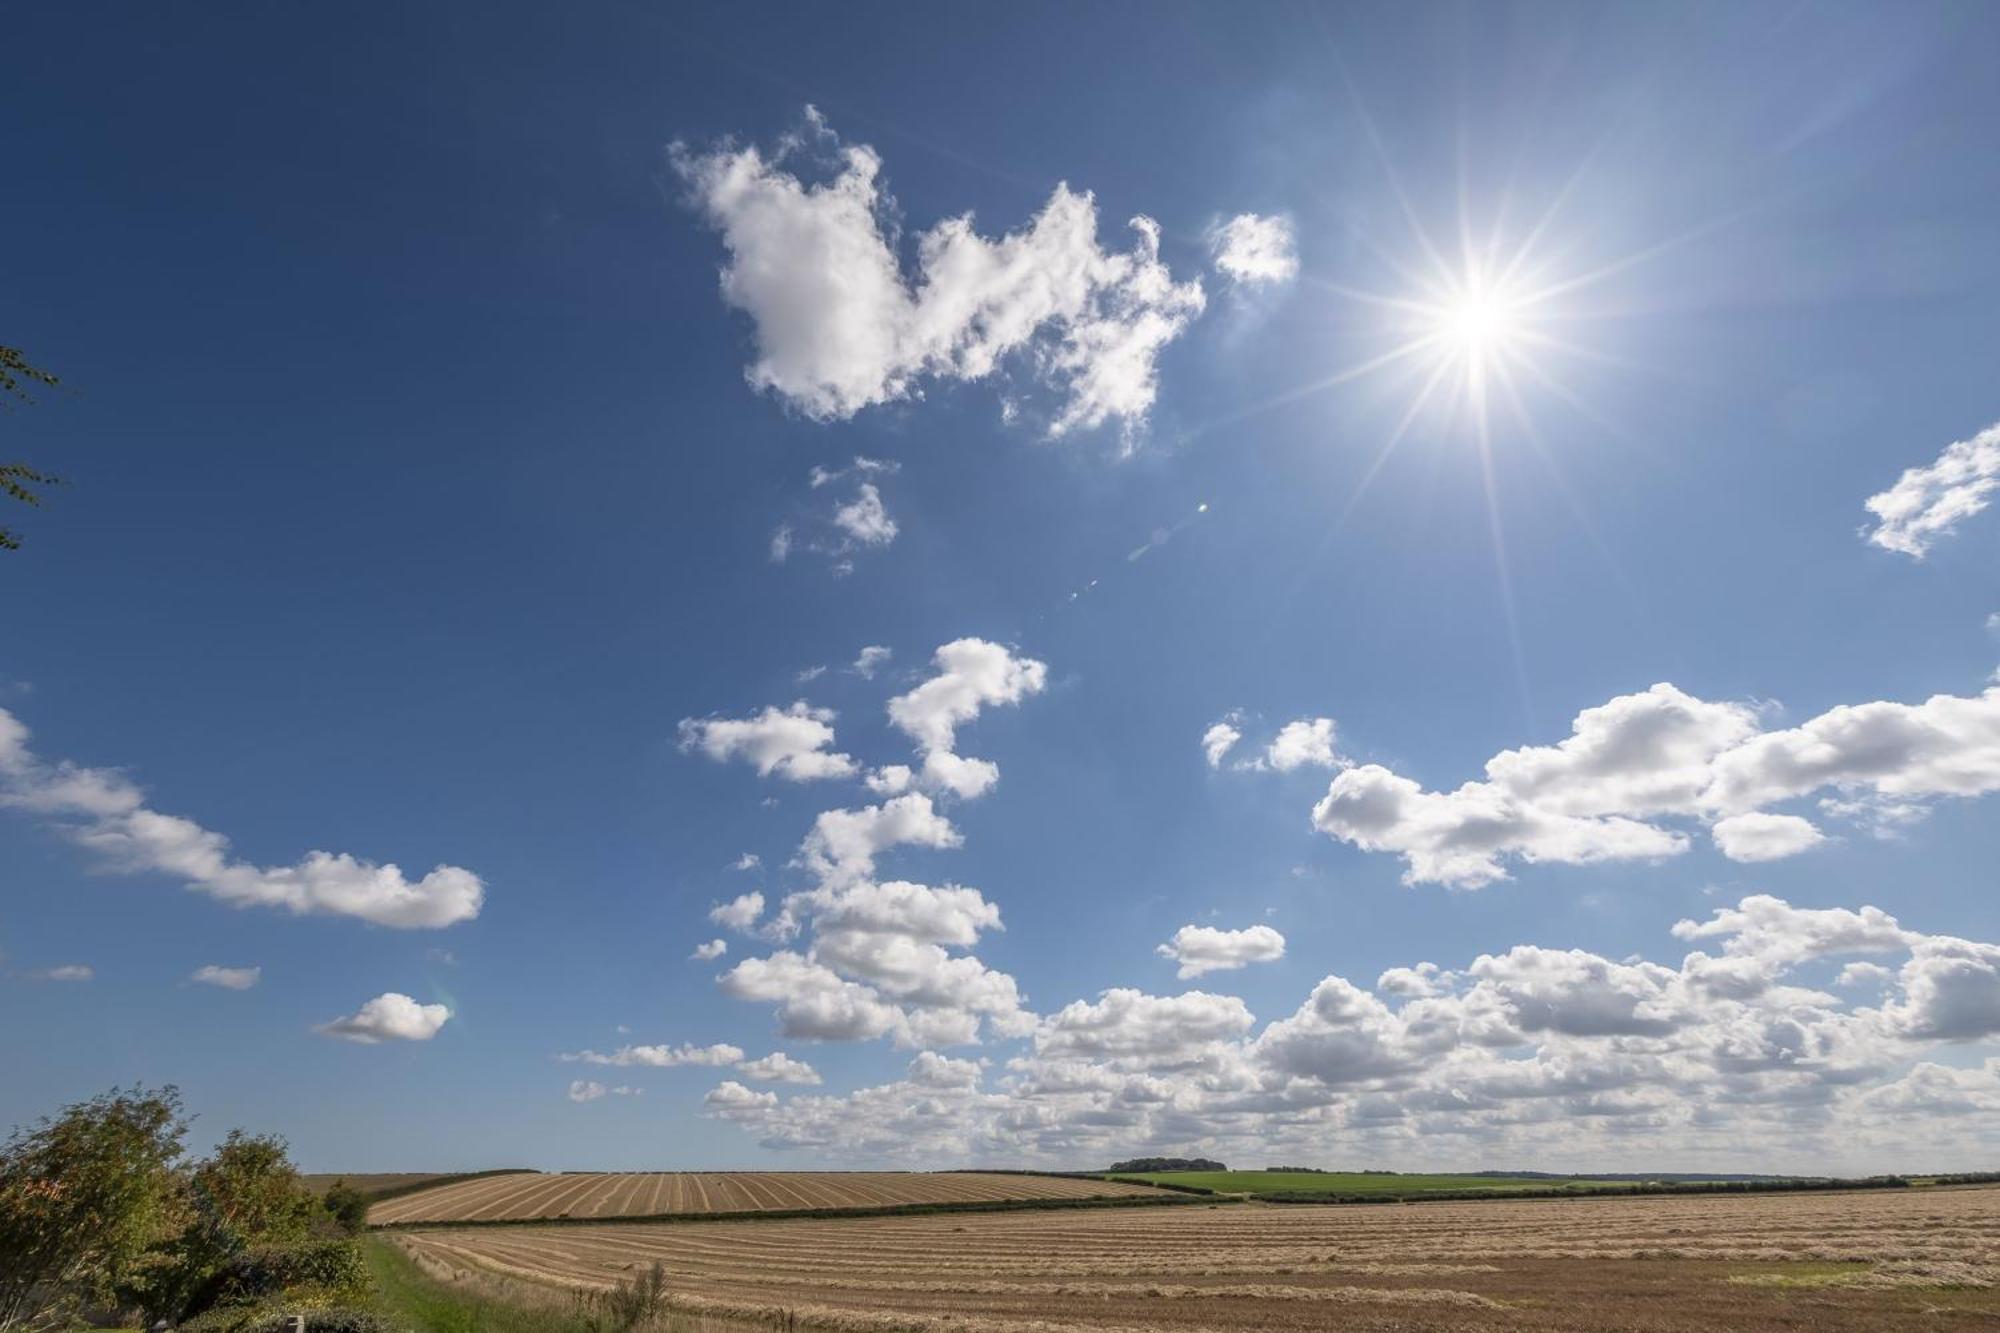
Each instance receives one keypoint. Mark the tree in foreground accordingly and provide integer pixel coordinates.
(246, 1219)
(84, 1198)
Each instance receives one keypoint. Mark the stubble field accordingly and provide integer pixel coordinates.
(648, 1194)
(1866, 1260)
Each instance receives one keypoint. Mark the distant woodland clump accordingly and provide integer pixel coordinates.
(1168, 1164)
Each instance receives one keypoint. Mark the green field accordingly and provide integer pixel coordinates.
(1355, 1183)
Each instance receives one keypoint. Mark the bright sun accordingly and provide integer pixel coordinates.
(1477, 322)
(1473, 323)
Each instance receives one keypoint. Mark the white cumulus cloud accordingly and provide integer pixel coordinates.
(391, 1016)
(1558, 1054)
(740, 913)
(1203, 949)
(1461, 837)
(1154, 1031)
(1307, 742)
(1628, 767)
(777, 1067)
(732, 1101)
(1218, 741)
(880, 962)
(1763, 837)
(843, 844)
(1253, 250)
(1929, 502)
(794, 743)
(814, 1002)
(840, 326)
(969, 675)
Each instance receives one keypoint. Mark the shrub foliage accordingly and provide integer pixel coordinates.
(100, 1212)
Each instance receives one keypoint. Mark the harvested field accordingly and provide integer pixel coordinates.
(1356, 1183)
(651, 1194)
(1865, 1260)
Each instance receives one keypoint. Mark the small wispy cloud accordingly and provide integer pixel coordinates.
(62, 972)
(839, 531)
(228, 978)
(1255, 251)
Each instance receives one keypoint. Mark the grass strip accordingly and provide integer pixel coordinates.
(422, 1304)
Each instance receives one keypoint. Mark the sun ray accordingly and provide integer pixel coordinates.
(1410, 415)
(1579, 403)
(1503, 573)
(1382, 159)
(1402, 352)
(1578, 513)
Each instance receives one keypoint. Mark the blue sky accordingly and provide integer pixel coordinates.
(436, 392)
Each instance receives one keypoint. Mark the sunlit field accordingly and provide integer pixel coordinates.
(1860, 1260)
(651, 1193)
(1361, 1183)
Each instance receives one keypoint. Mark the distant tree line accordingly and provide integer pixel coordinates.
(1168, 1164)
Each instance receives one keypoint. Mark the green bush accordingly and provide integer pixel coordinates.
(276, 1317)
(334, 1265)
(347, 1206)
(331, 1267)
(332, 1321)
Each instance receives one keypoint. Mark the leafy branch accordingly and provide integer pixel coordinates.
(17, 480)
